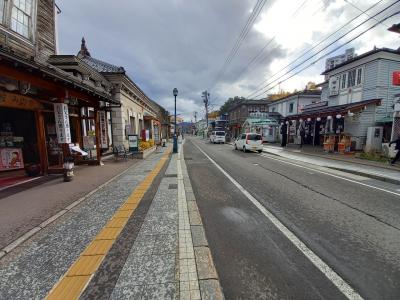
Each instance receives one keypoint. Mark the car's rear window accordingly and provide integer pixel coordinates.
(254, 137)
(220, 133)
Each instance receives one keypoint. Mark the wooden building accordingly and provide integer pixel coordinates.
(43, 108)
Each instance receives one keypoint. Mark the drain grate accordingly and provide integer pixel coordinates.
(172, 186)
(170, 175)
(188, 158)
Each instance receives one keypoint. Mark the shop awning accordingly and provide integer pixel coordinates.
(333, 110)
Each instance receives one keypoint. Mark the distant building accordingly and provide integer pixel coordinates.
(294, 103)
(239, 112)
(332, 62)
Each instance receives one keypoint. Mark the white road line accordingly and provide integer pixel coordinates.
(338, 281)
(330, 174)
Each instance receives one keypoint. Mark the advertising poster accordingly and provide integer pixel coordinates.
(11, 159)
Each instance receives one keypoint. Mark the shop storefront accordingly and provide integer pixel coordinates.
(44, 118)
(341, 128)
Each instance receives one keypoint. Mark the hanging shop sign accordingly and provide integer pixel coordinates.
(19, 101)
(103, 130)
(62, 123)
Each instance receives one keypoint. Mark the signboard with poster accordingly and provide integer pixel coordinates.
(89, 142)
(11, 159)
(133, 142)
(62, 123)
(103, 129)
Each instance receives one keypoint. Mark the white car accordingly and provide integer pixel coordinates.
(249, 142)
(217, 137)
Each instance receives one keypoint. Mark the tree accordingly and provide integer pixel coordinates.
(229, 103)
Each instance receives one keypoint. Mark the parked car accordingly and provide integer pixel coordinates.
(249, 142)
(217, 137)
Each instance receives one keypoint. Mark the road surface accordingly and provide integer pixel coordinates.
(282, 230)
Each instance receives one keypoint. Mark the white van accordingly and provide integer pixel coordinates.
(249, 142)
(217, 137)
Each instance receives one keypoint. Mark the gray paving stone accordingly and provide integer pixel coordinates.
(149, 269)
(166, 244)
(210, 289)
(194, 217)
(204, 263)
(190, 197)
(127, 291)
(192, 206)
(161, 291)
(198, 236)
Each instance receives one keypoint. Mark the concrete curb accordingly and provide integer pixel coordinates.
(210, 287)
(10, 247)
(368, 175)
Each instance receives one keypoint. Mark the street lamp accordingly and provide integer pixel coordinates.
(175, 147)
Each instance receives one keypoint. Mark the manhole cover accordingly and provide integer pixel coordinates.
(172, 186)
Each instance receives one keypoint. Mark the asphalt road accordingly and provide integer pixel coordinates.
(354, 229)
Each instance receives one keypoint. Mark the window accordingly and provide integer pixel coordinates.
(273, 109)
(359, 76)
(351, 80)
(291, 107)
(344, 77)
(21, 17)
(1, 11)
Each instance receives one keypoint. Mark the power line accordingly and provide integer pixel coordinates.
(330, 44)
(359, 9)
(243, 34)
(330, 52)
(315, 46)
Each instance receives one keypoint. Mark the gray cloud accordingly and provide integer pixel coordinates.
(162, 44)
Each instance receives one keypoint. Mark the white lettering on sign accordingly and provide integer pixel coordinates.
(62, 123)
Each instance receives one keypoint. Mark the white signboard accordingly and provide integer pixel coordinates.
(62, 123)
(334, 86)
(103, 129)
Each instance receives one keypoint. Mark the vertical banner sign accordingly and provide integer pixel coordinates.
(103, 129)
(62, 123)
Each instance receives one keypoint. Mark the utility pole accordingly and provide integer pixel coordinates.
(206, 96)
(195, 116)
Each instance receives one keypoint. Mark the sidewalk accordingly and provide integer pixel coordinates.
(138, 237)
(343, 163)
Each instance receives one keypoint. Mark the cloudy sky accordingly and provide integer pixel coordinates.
(183, 43)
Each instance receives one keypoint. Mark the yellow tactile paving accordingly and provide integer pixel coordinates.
(117, 223)
(69, 288)
(100, 247)
(78, 276)
(108, 233)
(123, 214)
(85, 265)
(128, 206)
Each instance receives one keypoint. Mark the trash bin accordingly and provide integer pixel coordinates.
(68, 169)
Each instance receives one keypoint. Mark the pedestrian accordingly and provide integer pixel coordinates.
(397, 142)
(284, 134)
